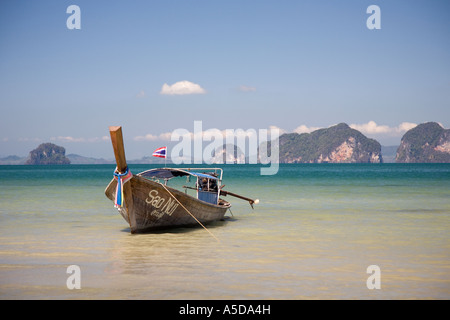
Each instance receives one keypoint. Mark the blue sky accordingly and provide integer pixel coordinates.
(296, 65)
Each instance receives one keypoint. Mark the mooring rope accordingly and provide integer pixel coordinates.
(190, 213)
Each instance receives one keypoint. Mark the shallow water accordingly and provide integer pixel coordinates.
(313, 235)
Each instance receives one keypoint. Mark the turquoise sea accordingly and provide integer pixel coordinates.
(313, 235)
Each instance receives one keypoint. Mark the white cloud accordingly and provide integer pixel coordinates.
(181, 88)
(305, 129)
(141, 94)
(405, 126)
(67, 139)
(165, 136)
(246, 89)
(372, 127)
(281, 131)
(207, 134)
(147, 137)
(72, 139)
(152, 137)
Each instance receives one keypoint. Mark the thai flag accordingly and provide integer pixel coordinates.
(160, 152)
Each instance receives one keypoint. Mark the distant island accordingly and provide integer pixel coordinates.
(48, 153)
(426, 143)
(77, 159)
(336, 144)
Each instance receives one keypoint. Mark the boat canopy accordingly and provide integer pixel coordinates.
(169, 173)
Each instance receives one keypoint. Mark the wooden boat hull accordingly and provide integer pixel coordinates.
(154, 206)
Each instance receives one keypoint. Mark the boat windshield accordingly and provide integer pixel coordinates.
(206, 184)
(169, 173)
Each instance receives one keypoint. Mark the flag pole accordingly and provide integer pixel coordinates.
(161, 153)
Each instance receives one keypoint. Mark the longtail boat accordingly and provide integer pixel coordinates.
(147, 203)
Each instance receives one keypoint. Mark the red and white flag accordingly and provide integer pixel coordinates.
(160, 152)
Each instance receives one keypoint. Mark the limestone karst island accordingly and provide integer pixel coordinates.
(48, 153)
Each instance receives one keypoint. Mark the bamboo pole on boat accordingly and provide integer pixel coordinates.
(119, 153)
(228, 193)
